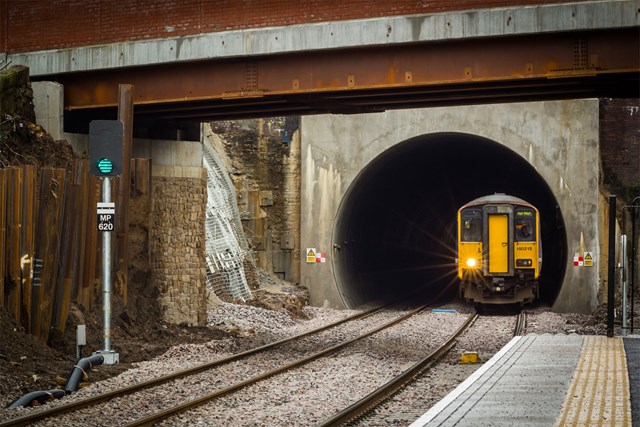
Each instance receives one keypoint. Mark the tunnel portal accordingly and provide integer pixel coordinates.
(395, 230)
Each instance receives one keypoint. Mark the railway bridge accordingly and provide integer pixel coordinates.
(409, 110)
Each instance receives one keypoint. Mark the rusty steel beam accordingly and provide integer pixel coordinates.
(478, 61)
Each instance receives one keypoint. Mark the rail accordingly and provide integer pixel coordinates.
(382, 393)
(163, 415)
(94, 400)
(386, 391)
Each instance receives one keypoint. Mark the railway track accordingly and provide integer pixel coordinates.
(184, 374)
(190, 403)
(521, 324)
(193, 403)
(125, 391)
(365, 406)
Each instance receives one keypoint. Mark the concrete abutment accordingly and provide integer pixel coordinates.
(378, 215)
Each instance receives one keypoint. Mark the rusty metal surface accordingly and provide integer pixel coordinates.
(28, 243)
(88, 285)
(383, 76)
(67, 255)
(125, 115)
(51, 198)
(3, 226)
(48, 242)
(82, 187)
(13, 274)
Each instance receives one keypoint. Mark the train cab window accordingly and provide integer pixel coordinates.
(471, 225)
(525, 225)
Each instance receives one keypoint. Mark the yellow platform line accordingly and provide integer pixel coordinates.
(599, 391)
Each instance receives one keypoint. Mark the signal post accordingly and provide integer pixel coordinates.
(106, 141)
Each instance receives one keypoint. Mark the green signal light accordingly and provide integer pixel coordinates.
(105, 166)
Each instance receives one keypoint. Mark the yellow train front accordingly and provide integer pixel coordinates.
(499, 250)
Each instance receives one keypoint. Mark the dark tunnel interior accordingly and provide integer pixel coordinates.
(396, 226)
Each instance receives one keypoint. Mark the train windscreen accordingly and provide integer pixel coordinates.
(471, 226)
(525, 225)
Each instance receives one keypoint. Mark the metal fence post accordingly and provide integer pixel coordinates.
(611, 289)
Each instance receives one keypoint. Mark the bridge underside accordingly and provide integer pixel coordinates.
(174, 96)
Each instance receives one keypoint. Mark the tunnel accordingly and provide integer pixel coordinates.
(395, 230)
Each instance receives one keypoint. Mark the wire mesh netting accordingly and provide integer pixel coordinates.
(226, 246)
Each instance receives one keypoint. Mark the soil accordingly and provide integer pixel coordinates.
(28, 365)
(26, 143)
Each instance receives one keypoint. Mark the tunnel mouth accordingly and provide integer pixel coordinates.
(395, 230)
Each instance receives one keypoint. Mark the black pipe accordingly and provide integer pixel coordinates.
(41, 397)
(80, 370)
(612, 260)
(78, 373)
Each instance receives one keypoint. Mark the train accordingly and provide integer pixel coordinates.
(499, 252)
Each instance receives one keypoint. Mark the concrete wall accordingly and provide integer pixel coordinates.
(189, 31)
(93, 22)
(48, 105)
(559, 139)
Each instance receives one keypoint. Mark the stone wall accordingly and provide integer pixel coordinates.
(265, 157)
(178, 242)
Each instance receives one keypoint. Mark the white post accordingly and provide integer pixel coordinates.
(106, 271)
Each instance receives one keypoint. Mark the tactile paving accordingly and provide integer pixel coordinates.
(599, 391)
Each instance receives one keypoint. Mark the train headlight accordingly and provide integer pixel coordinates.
(471, 262)
(524, 263)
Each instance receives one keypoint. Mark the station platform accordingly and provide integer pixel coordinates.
(548, 380)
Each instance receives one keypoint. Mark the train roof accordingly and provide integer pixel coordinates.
(497, 198)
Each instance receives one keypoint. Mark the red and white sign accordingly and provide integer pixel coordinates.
(320, 257)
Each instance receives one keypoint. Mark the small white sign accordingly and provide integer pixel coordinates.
(106, 208)
(106, 216)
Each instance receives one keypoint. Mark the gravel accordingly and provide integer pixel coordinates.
(315, 391)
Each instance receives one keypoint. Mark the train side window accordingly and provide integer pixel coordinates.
(525, 225)
(471, 226)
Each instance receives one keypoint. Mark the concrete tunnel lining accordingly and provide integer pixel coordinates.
(351, 161)
(395, 228)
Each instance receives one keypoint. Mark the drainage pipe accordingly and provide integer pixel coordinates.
(41, 397)
(78, 373)
(80, 370)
